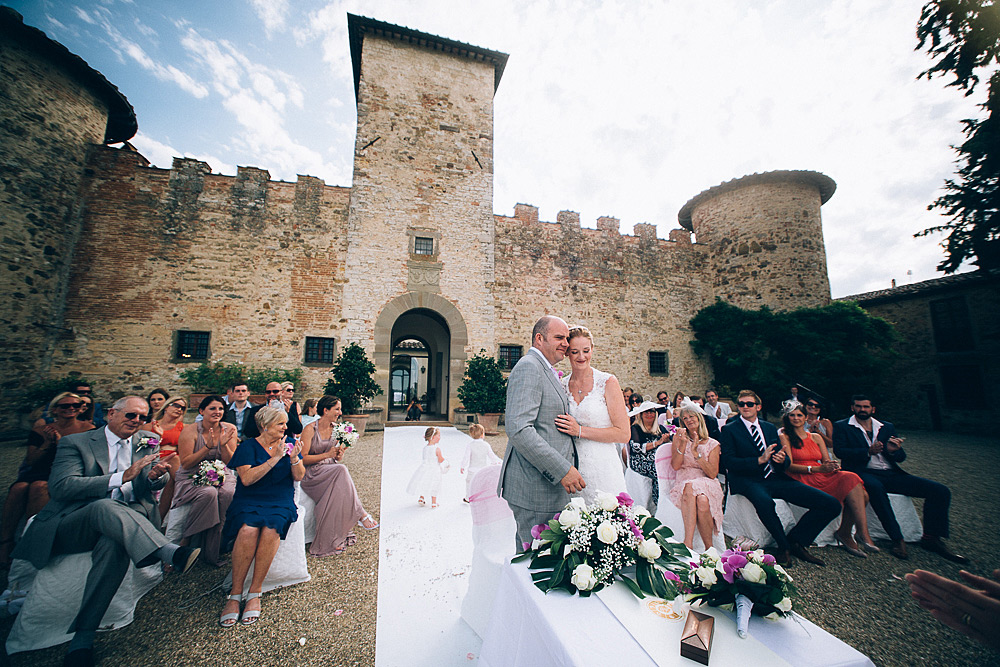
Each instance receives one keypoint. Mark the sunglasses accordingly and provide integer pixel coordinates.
(178, 405)
(70, 406)
(273, 391)
(812, 405)
(132, 416)
(746, 404)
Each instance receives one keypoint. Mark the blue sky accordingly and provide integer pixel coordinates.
(626, 109)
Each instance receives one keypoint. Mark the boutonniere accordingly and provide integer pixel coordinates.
(147, 441)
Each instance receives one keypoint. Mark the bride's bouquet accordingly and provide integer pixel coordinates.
(345, 433)
(749, 581)
(210, 473)
(585, 547)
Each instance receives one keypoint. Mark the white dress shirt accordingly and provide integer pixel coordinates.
(876, 461)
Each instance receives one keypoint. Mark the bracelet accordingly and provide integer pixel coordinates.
(581, 431)
(809, 469)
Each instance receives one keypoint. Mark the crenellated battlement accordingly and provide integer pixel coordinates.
(607, 226)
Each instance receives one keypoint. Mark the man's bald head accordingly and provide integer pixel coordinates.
(551, 336)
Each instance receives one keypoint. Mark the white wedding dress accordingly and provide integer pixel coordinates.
(600, 463)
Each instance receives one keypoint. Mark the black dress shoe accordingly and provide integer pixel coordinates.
(783, 558)
(898, 550)
(81, 657)
(937, 546)
(802, 553)
(184, 558)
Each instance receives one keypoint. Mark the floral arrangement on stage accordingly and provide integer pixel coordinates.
(210, 473)
(586, 547)
(346, 434)
(749, 581)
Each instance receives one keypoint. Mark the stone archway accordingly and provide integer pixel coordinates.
(433, 307)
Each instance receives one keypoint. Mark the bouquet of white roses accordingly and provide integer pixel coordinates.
(210, 473)
(585, 547)
(345, 433)
(744, 580)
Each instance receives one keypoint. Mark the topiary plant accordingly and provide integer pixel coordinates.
(484, 389)
(352, 379)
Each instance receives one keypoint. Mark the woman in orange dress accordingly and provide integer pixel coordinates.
(813, 465)
(168, 422)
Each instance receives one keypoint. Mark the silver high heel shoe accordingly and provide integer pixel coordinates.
(870, 548)
(851, 550)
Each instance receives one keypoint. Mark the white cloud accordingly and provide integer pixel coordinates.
(272, 13)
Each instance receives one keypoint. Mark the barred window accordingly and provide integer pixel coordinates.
(320, 350)
(192, 345)
(659, 363)
(423, 245)
(509, 354)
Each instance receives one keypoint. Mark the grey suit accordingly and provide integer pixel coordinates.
(81, 517)
(538, 455)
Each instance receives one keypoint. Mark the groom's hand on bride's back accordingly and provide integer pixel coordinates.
(573, 481)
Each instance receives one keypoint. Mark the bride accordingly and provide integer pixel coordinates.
(597, 418)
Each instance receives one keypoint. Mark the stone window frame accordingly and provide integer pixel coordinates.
(321, 361)
(505, 360)
(185, 340)
(651, 355)
(413, 232)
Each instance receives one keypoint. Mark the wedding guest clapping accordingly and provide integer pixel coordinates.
(168, 423)
(973, 610)
(696, 491)
(263, 508)
(209, 441)
(646, 436)
(478, 455)
(329, 483)
(817, 423)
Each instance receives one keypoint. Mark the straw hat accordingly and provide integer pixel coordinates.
(644, 406)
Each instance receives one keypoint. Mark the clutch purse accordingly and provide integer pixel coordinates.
(696, 638)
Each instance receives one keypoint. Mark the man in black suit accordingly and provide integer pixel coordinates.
(272, 395)
(238, 409)
(872, 450)
(755, 464)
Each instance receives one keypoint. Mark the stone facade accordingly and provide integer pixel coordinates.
(411, 250)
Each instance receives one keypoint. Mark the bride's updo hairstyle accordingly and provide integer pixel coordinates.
(576, 331)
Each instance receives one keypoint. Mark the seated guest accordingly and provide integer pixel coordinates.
(329, 484)
(308, 415)
(696, 491)
(156, 399)
(102, 485)
(813, 465)
(817, 423)
(211, 439)
(30, 491)
(646, 437)
(81, 387)
(871, 449)
(714, 408)
(238, 408)
(274, 399)
(676, 404)
(86, 414)
(263, 508)
(755, 463)
(711, 423)
(168, 423)
(288, 398)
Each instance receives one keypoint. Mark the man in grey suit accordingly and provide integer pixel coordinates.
(539, 468)
(101, 488)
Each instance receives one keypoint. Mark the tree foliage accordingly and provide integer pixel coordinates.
(218, 377)
(352, 379)
(963, 36)
(835, 350)
(484, 388)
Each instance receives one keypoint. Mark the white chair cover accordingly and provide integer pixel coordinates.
(668, 513)
(639, 488)
(493, 526)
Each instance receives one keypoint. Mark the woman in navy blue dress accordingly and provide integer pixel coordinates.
(262, 509)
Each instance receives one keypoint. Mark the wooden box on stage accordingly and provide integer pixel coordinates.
(696, 639)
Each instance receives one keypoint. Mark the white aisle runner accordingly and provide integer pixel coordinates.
(424, 559)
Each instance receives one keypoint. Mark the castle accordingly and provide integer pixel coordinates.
(129, 273)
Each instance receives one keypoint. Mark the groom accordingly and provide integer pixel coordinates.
(539, 466)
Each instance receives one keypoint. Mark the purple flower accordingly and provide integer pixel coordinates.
(537, 530)
(635, 528)
(768, 559)
(525, 545)
(556, 517)
(671, 576)
(625, 499)
(349, 428)
(212, 475)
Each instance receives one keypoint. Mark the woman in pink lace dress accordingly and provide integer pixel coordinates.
(329, 484)
(696, 491)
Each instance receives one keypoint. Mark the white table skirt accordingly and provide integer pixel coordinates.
(529, 627)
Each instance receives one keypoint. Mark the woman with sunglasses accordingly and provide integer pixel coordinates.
(86, 414)
(168, 423)
(817, 423)
(30, 491)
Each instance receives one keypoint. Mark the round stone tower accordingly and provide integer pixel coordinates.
(53, 107)
(765, 238)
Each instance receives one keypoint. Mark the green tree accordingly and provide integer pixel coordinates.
(352, 379)
(835, 350)
(963, 36)
(484, 389)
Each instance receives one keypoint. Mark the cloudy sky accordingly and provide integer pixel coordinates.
(626, 108)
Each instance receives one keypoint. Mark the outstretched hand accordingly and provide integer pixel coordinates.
(133, 470)
(972, 610)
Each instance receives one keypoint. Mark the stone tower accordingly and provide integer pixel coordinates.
(54, 108)
(764, 233)
(420, 260)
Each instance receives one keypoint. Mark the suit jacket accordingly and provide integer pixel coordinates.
(740, 452)
(250, 429)
(851, 446)
(80, 475)
(230, 416)
(538, 456)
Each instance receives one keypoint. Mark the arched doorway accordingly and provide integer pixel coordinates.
(425, 334)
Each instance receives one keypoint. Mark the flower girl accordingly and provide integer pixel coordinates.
(478, 455)
(426, 481)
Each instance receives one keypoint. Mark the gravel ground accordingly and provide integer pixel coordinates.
(863, 602)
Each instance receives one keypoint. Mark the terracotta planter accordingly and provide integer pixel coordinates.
(490, 421)
(360, 421)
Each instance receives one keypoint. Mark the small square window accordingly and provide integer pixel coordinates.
(320, 350)
(659, 363)
(509, 355)
(423, 245)
(192, 345)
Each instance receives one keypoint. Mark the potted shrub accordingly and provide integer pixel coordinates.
(216, 378)
(484, 391)
(352, 382)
